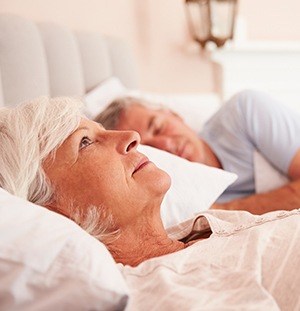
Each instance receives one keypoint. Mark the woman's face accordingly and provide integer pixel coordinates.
(103, 168)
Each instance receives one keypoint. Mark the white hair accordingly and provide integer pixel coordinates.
(111, 114)
(28, 134)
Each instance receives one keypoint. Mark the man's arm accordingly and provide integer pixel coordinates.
(283, 198)
(286, 197)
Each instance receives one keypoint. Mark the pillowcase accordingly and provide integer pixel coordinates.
(102, 95)
(47, 262)
(267, 177)
(195, 187)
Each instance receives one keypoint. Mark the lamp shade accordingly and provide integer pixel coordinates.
(211, 20)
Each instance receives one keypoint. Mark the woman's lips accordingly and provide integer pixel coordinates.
(142, 163)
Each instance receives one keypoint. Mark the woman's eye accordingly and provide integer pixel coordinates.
(85, 141)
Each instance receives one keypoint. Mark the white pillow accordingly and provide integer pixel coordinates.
(102, 95)
(47, 262)
(267, 177)
(195, 187)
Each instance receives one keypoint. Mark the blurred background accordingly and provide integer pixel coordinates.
(169, 60)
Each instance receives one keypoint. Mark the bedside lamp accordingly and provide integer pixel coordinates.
(211, 20)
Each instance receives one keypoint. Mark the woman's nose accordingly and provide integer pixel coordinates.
(128, 140)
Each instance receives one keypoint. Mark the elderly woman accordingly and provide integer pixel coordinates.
(52, 156)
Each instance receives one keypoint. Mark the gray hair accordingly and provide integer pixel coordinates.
(28, 134)
(110, 116)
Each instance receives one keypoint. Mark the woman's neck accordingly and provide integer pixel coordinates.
(139, 243)
(133, 255)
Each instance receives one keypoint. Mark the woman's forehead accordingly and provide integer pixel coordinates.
(89, 124)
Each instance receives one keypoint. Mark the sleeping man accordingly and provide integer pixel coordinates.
(250, 121)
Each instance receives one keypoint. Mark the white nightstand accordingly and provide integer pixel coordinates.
(273, 67)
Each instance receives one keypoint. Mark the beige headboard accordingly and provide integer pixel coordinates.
(48, 59)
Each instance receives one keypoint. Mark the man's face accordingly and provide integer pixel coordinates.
(164, 130)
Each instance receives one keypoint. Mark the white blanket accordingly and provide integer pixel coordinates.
(248, 263)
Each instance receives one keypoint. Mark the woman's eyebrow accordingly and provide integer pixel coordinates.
(86, 128)
(101, 126)
(81, 128)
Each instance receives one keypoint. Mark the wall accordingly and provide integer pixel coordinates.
(157, 32)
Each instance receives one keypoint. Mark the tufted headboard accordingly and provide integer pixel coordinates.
(48, 59)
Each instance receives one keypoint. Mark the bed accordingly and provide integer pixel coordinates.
(47, 262)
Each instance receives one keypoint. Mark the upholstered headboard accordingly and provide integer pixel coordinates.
(48, 59)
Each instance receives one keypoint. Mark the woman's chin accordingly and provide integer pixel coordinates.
(162, 182)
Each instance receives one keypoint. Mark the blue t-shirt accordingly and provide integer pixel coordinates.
(252, 121)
